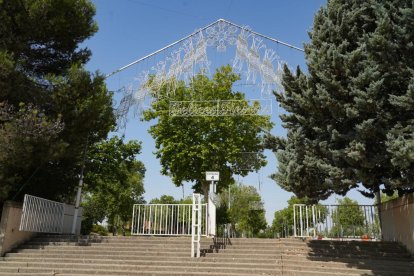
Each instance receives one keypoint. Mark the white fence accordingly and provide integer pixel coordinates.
(42, 215)
(165, 219)
(336, 221)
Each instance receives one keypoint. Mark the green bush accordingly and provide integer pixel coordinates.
(99, 229)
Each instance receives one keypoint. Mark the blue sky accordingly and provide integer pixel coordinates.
(131, 29)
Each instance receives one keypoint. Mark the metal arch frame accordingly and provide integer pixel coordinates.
(196, 32)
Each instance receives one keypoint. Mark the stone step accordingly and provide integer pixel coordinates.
(100, 255)
(125, 269)
(176, 247)
(88, 250)
(218, 261)
(222, 256)
(236, 241)
(310, 251)
(111, 238)
(319, 244)
(156, 255)
(84, 272)
(111, 245)
(400, 262)
(130, 269)
(136, 254)
(78, 263)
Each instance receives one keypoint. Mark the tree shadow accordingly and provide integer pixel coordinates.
(379, 258)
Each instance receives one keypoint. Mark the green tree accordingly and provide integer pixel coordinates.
(348, 219)
(246, 213)
(47, 96)
(349, 120)
(164, 199)
(167, 199)
(385, 197)
(114, 181)
(283, 219)
(190, 146)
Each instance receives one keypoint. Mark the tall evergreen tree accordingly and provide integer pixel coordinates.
(350, 120)
(49, 105)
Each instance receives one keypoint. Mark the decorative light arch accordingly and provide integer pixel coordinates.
(258, 65)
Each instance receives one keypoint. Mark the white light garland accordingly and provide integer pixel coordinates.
(253, 59)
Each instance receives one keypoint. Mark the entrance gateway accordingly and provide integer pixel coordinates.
(260, 68)
(194, 219)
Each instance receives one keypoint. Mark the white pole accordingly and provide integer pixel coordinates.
(294, 220)
(79, 192)
(78, 199)
(229, 197)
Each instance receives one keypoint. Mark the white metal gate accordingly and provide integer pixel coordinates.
(336, 221)
(165, 219)
(42, 215)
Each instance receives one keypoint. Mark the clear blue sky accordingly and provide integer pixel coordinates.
(130, 29)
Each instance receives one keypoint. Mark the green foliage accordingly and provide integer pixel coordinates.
(99, 229)
(350, 120)
(246, 213)
(27, 138)
(167, 199)
(43, 36)
(114, 181)
(50, 106)
(348, 219)
(189, 146)
(283, 219)
(385, 197)
(164, 199)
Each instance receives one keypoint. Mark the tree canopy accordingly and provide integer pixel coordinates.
(113, 181)
(49, 105)
(188, 146)
(283, 219)
(348, 219)
(350, 120)
(167, 199)
(246, 213)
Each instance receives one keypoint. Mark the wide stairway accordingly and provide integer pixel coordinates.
(68, 255)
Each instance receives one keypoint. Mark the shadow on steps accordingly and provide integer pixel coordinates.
(382, 258)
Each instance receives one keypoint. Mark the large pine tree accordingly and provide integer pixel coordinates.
(50, 106)
(350, 119)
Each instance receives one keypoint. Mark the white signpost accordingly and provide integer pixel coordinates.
(212, 176)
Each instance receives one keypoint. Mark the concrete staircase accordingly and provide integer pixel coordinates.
(68, 255)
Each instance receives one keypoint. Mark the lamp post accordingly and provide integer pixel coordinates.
(79, 192)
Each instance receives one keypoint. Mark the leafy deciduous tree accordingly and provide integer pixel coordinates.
(348, 219)
(283, 220)
(114, 181)
(246, 213)
(190, 146)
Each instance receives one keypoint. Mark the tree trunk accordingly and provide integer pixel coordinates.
(205, 187)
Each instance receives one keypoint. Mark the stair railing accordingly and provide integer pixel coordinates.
(196, 224)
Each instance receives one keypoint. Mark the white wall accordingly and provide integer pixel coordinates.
(10, 236)
(397, 220)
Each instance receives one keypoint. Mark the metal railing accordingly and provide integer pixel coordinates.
(165, 219)
(196, 224)
(336, 221)
(42, 215)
